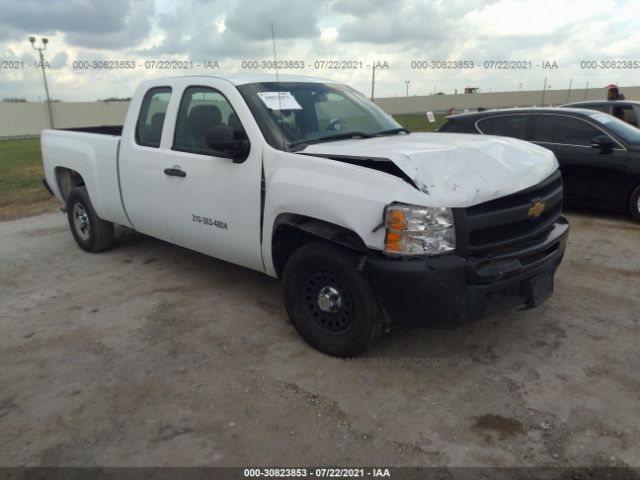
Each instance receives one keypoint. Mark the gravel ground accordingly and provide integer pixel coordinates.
(150, 354)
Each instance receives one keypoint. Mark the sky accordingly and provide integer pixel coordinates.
(400, 38)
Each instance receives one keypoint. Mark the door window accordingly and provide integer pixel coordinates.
(203, 108)
(625, 113)
(505, 125)
(636, 111)
(565, 130)
(152, 113)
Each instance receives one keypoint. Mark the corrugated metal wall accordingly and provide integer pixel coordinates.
(22, 119)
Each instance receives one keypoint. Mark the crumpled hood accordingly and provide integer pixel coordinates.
(454, 170)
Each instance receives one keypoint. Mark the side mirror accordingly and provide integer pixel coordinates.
(604, 142)
(222, 139)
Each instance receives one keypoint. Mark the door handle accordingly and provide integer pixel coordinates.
(175, 172)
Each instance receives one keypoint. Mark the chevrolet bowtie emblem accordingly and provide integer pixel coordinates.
(536, 210)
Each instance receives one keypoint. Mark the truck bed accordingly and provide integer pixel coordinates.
(92, 152)
(115, 130)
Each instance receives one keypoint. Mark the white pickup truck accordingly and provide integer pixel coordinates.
(306, 180)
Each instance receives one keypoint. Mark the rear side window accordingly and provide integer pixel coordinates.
(152, 114)
(600, 108)
(505, 125)
(449, 127)
(203, 108)
(564, 130)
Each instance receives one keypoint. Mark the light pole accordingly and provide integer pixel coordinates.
(44, 75)
(569, 91)
(407, 83)
(373, 80)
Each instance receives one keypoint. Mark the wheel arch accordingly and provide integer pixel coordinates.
(67, 179)
(291, 231)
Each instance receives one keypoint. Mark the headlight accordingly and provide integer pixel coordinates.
(414, 230)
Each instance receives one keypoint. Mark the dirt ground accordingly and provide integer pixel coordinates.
(150, 354)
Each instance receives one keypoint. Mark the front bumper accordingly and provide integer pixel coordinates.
(449, 290)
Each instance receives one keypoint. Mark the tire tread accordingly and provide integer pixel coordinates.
(102, 231)
(633, 204)
(344, 261)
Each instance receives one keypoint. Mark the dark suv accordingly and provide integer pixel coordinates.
(599, 155)
(622, 109)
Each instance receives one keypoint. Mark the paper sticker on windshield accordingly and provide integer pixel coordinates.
(279, 101)
(602, 118)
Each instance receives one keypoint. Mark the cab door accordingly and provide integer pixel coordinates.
(590, 176)
(142, 180)
(212, 204)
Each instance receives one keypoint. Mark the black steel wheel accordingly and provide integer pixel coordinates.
(329, 302)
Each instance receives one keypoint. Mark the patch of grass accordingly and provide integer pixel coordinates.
(21, 189)
(419, 123)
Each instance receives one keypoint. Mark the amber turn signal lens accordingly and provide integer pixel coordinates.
(393, 242)
(397, 220)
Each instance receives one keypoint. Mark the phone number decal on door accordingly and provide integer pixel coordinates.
(209, 221)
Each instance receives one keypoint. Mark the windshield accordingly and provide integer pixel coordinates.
(294, 114)
(622, 129)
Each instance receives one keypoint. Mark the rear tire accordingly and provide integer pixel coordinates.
(634, 204)
(90, 232)
(329, 302)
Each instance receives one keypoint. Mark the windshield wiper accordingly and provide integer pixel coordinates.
(392, 131)
(337, 136)
(301, 144)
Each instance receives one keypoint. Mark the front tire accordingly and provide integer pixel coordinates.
(329, 302)
(90, 232)
(634, 204)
